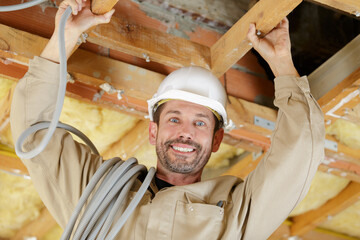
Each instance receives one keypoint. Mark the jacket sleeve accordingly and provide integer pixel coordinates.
(283, 177)
(63, 169)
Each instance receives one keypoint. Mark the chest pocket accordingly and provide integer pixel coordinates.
(195, 219)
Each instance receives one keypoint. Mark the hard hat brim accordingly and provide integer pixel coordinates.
(176, 94)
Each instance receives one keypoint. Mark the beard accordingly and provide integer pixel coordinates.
(179, 163)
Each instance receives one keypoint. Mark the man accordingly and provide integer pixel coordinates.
(186, 127)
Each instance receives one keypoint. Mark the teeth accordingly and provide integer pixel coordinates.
(180, 149)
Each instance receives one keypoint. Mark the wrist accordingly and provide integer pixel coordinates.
(283, 66)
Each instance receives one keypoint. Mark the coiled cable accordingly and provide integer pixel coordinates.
(118, 176)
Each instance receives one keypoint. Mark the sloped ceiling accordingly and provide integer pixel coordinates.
(317, 33)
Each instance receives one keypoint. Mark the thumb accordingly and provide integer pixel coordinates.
(105, 18)
(253, 38)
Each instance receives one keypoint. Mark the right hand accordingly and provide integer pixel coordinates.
(78, 22)
(82, 18)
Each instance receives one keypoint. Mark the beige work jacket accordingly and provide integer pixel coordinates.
(253, 208)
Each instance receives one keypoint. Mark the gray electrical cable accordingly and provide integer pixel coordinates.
(59, 102)
(112, 192)
(118, 177)
(21, 6)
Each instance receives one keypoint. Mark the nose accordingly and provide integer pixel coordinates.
(186, 131)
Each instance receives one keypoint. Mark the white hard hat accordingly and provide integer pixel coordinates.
(193, 84)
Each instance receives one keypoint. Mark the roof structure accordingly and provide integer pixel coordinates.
(146, 40)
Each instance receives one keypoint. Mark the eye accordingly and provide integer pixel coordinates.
(200, 123)
(174, 120)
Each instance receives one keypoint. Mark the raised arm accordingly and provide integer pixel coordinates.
(283, 177)
(63, 169)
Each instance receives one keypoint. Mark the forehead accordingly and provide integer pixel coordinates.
(183, 107)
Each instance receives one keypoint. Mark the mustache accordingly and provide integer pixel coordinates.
(197, 146)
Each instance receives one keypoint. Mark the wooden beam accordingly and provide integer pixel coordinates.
(152, 45)
(9, 162)
(245, 166)
(348, 6)
(90, 71)
(234, 44)
(283, 233)
(329, 77)
(309, 220)
(340, 107)
(102, 6)
(130, 143)
(252, 86)
(5, 104)
(37, 228)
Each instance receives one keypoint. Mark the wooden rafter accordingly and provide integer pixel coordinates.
(37, 228)
(283, 232)
(130, 143)
(244, 166)
(102, 6)
(348, 6)
(150, 44)
(309, 220)
(10, 162)
(328, 80)
(234, 44)
(83, 66)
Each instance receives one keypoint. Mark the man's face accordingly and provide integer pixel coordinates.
(185, 137)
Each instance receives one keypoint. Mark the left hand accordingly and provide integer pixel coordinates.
(275, 48)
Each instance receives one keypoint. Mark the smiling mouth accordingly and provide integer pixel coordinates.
(183, 149)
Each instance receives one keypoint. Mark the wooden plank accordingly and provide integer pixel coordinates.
(234, 44)
(102, 6)
(152, 45)
(283, 232)
(130, 143)
(331, 74)
(37, 228)
(342, 106)
(90, 71)
(309, 220)
(348, 6)
(340, 173)
(5, 104)
(245, 166)
(10, 162)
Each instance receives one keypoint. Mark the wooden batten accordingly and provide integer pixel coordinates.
(234, 44)
(309, 220)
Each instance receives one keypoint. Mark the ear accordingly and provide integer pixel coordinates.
(219, 134)
(152, 133)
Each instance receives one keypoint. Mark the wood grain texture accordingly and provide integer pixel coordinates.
(309, 220)
(150, 44)
(348, 6)
(266, 14)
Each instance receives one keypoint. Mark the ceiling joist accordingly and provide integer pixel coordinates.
(309, 220)
(234, 44)
(348, 6)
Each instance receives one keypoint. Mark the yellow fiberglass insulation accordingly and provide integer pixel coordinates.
(347, 222)
(53, 234)
(6, 137)
(5, 85)
(19, 204)
(323, 187)
(103, 126)
(5, 133)
(346, 132)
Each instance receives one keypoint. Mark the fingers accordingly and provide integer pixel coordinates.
(253, 38)
(76, 5)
